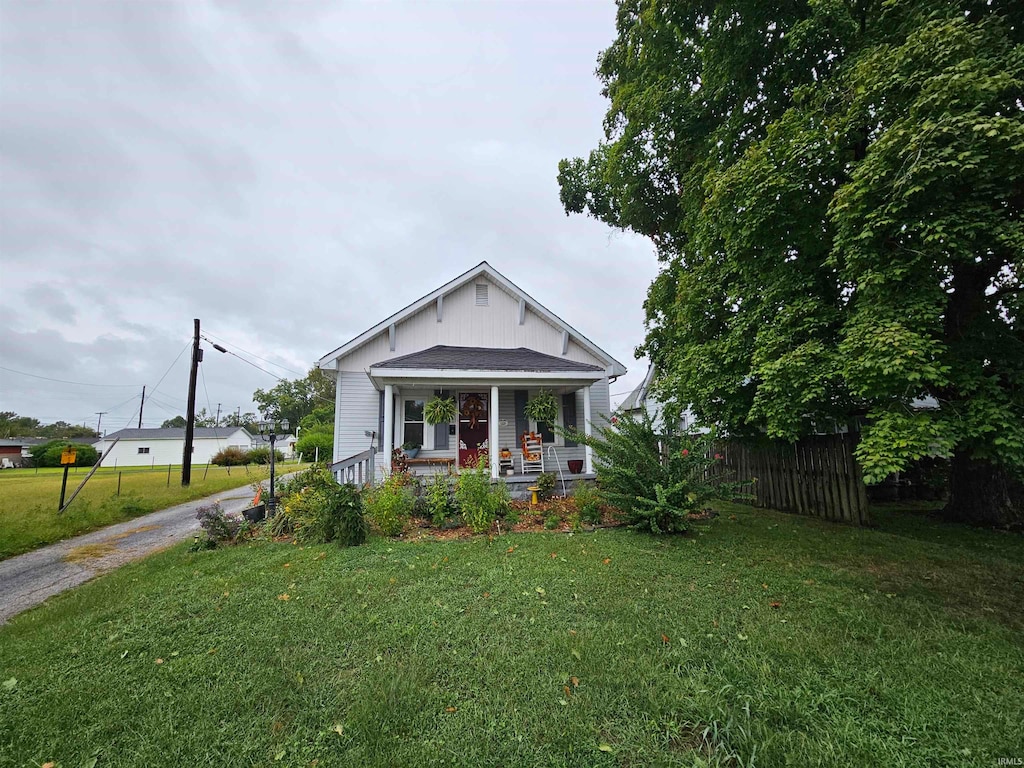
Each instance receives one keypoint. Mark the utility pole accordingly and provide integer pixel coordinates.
(142, 405)
(217, 422)
(99, 421)
(190, 415)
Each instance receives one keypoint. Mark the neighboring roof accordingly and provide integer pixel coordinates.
(174, 433)
(485, 359)
(638, 396)
(277, 439)
(23, 441)
(483, 268)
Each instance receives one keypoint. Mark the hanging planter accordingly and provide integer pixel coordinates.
(543, 408)
(439, 410)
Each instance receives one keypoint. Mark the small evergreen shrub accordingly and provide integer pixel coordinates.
(390, 504)
(231, 456)
(551, 522)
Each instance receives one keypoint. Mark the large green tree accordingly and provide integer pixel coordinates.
(296, 399)
(835, 191)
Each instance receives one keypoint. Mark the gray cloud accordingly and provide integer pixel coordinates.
(291, 173)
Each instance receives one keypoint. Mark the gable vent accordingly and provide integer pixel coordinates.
(481, 294)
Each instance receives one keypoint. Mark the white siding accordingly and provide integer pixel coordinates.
(465, 324)
(358, 411)
(164, 451)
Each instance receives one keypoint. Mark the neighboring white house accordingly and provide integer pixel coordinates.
(487, 344)
(283, 443)
(641, 399)
(153, 447)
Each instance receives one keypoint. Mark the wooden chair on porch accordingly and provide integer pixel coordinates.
(533, 453)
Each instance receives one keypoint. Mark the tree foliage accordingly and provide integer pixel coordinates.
(835, 191)
(13, 425)
(296, 399)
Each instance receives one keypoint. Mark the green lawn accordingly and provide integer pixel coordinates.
(28, 499)
(901, 646)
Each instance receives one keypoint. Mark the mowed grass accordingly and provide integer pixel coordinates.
(28, 500)
(764, 640)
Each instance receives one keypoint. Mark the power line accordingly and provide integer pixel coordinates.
(252, 354)
(63, 381)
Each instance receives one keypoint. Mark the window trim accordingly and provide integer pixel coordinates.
(428, 434)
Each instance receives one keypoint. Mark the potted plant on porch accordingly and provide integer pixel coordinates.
(411, 449)
(439, 410)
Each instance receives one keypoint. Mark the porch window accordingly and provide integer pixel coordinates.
(413, 432)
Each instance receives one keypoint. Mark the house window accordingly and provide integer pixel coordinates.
(413, 424)
(481, 294)
(143, 450)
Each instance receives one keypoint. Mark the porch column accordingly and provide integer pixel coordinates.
(388, 438)
(492, 432)
(588, 452)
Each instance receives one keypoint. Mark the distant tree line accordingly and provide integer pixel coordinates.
(13, 425)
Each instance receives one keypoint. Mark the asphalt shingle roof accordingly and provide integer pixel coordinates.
(485, 359)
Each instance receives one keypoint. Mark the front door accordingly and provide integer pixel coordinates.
(472, 427)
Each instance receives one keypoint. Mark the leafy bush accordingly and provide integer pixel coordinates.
(219, 528)
(232, 456)
(438, 495)
(546, 483)
(472, 492)
(262, 456)
(655, 479)
(588, 502)
(500, 500)
(48, 454)
(320, 510)
(310, 441)
(390, 504)
(551, 522)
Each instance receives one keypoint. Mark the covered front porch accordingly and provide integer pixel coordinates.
(490, 389)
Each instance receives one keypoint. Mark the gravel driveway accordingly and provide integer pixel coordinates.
(29, 579)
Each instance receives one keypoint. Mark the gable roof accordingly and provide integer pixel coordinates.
(485, 359)
(638, 397)
(175, 433)
(483, 268)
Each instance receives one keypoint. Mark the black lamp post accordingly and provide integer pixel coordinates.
(268, 428)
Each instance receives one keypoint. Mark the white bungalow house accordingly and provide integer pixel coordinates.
(155, 447)
(487, 344)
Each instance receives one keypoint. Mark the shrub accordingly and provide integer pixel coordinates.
(472, 496)
(309, 442)
(318, 510)
(261, 455)
(551, 522)
(588, 502)
(219, 528)
(438, 495)
(390, 504)
(546, 483)
(232, 456)
(655, 479)
(48, 454)
(500, 500)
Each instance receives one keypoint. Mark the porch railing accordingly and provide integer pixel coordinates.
(355, 470)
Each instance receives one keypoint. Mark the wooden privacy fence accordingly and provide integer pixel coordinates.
(817, 476)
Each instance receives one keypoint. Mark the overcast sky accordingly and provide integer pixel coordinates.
(290, 173)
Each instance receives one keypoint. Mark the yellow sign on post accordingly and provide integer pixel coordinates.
(68, 456)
